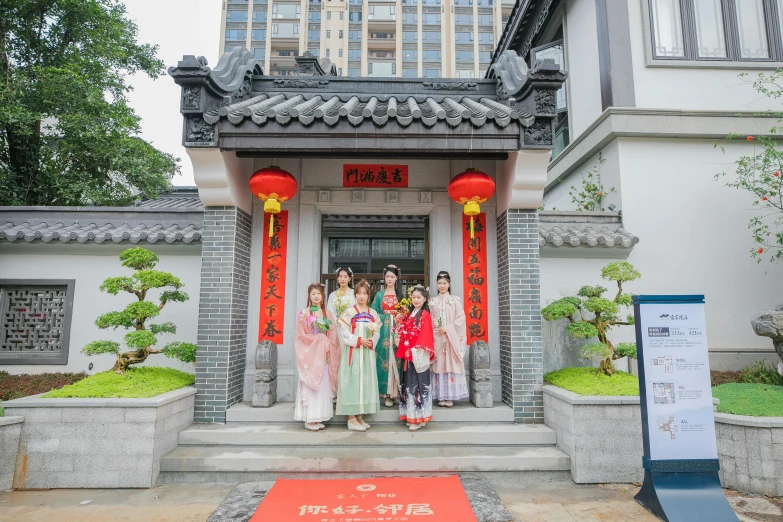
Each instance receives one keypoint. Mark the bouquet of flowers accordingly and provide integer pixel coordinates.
(404, 304)
(322, 323)
(341, 303)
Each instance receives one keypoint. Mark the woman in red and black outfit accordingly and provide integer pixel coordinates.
(414, 332)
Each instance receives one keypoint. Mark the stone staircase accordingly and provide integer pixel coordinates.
(266, 443)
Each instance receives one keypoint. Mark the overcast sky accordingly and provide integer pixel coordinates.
(178, 27)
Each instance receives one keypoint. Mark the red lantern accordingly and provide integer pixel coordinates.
(273, 186)
(471, 188)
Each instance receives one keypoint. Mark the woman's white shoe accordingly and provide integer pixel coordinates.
(414, 427)
(311, 427)
(356, 427)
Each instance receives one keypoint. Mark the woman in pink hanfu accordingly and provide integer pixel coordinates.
(317, 360)
(448, 322)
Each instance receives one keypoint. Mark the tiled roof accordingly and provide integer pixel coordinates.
(285, 108)
(584, 229)
(176, 216)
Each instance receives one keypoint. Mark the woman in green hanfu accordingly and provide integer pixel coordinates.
(385, 303)
(357, 380)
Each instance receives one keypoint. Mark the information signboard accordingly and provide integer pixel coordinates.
(677, 384)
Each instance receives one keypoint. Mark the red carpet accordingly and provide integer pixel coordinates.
(428, 499)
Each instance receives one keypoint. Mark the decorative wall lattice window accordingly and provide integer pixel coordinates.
(35, 320)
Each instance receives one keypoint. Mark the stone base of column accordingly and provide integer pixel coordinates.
(265, 382)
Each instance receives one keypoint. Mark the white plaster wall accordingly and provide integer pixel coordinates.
(305, 245)
(693, 240)
(584, 84)
(90, 265)
(687, 87)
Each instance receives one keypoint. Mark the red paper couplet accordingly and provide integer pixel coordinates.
(426, 499)
(375, 176)
(272, 313)
(474, 270)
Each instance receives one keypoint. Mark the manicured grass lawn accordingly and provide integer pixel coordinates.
(758, 400)
(586, 381)
(142, 382)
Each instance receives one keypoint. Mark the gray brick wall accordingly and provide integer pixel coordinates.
(519, 292)
(222, 323)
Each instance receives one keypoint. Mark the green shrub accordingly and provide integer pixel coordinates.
(758, 400)
(140, 382)
(585, 381)
(761, 372)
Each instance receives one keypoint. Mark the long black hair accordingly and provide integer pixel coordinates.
(398, 285)
(348, 271)
(444, 275)
(423, 291)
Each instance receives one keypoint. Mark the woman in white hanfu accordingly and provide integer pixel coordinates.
(448, 324)
(343, 298)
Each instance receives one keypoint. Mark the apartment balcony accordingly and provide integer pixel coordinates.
(381, 40)
(380, 56)
(382, 16)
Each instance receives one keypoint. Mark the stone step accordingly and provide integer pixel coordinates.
(462, 412)
(237, 460)
(385, 435)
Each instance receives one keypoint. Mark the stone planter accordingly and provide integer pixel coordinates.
(751, 453)
(97, 443)
(602, 435)
(10, 428)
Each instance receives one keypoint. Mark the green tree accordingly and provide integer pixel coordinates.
(67, 134)
(134, 317)
(759, 174)
(605, 315)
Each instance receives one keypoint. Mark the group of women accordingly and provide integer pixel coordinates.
(386, 349)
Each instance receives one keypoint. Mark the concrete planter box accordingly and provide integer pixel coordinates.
(10, 428)
(751, 453)
(602, 435)
(97, 443)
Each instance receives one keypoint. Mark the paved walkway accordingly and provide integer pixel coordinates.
(542, 502)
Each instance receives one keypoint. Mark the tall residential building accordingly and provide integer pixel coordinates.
(381, 38)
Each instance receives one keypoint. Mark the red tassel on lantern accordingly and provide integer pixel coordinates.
(273, 186)
(471, 188)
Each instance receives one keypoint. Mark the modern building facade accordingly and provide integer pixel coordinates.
(371, 38)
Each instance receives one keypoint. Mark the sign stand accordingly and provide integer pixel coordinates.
(681, 482)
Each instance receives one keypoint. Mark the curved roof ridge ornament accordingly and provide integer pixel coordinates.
(309, 65)
(511, 72)
(234, 70)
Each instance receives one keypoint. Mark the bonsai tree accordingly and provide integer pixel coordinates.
(142, 337)
(605, 315)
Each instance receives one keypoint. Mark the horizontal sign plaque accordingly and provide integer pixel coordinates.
(375, 176)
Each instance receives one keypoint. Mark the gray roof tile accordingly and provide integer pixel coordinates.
(359, 110)
(99, 232)
(584, 229)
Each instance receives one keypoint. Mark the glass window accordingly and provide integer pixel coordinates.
(432, 73)
(380, 69)
(464, 56)
(260, 16)
(314, 16)
(328, 33)
(410, 18)
(341, 15)
(314, 36)
(355, 16)
(382, 12)
(430, 36)
(430, 55)
(340, 53)
(286, 11)
(463, 37)
(417, 248)
(431, 2)
(236, 34)
(486, 38)
(354, 36)
(354, 54)
(667, 28)
(258, 34)
(709, 28)
(237, 1)
(410, 73)
(259, 53)
(413, 36)
(354, 71)
(465, 73)
(286, 52)
(328, 53)
(328, 15)
(409, 55)
(463, 3)
(485, 19)
(236, 16)
(390, 248)
(463, 18)
(752, 29)
(341, 33)
(315, 51)
(349, 247)
(430, 18)
(485, 56)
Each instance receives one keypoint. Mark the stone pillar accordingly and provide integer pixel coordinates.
(480, 377)
(519, 294)
(222, 321)
(265, 381)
